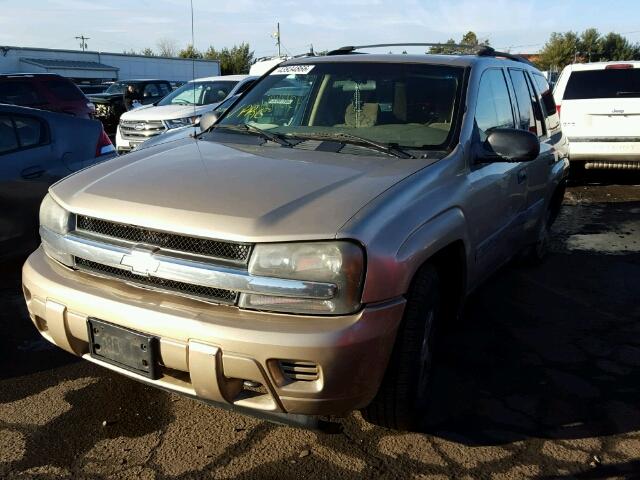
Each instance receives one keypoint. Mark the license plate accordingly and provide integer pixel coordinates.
(124, 348)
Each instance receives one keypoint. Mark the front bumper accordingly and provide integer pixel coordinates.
(125, 146)
(210, 351)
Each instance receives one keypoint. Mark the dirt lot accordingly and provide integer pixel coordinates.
(541, 380)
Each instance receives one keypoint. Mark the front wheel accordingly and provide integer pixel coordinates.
(401, 402)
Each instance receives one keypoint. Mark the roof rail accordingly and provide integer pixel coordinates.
(490, 52)
(352, 48)
(479, 50)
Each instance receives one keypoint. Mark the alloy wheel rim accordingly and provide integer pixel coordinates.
(424, 358)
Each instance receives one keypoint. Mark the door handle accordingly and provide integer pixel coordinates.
(522, 175)
(31, 173)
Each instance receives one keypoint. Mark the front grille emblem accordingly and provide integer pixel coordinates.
(139, 127)
(141, 261)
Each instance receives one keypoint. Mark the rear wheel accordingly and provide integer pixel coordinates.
(537, 252)
(402, 400)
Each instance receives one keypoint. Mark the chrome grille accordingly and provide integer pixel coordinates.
(141, 129)
(207, 293)
(228, 251)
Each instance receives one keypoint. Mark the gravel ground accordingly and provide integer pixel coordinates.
(540, 380)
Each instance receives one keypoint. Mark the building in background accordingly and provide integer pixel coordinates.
(98, 67)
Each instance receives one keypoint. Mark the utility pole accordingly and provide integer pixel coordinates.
(277, 37)
(83, 41)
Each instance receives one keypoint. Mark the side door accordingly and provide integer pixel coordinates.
(529, 117)
(497, 190)
(25, 157)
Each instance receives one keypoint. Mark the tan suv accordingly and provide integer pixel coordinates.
(294, 260)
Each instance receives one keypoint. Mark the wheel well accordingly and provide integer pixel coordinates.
(556, 201)
(451, 265)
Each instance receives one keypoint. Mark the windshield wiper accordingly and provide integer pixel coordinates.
(626, 94)
(388, 148)
(252, 129)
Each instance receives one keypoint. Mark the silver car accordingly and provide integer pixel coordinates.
(298, 258)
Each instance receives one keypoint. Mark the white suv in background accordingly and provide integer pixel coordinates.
(184, 106)
(599, 106)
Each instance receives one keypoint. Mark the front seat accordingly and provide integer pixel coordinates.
(366, 117)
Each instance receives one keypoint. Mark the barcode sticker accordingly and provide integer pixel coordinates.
(295, 69)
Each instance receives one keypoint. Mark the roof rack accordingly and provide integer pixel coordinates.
(479, 50)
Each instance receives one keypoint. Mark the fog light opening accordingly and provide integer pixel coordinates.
(27, 293)
(254, 387)
(41, 324)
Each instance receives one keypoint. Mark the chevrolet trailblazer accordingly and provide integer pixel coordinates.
(295, 258)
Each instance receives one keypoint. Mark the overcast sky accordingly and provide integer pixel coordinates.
(116, 25)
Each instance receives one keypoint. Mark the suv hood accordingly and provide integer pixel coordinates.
(103, 97)
(242, 193)
(166, 112)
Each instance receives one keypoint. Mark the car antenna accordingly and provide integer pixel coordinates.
(193, 63)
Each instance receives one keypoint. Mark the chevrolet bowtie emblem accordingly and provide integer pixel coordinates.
(141, 261)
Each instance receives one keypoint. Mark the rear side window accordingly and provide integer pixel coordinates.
(8, 137)
(493, 109)
(18, 132)
(65, 90)
(548, 102)
(31, 131)
(528, 117)
(607, 83)
(19, 92)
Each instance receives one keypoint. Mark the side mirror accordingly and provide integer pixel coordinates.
(510, 145)
(208, 119)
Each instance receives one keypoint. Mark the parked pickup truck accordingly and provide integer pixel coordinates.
(298, 257)
(110, 104)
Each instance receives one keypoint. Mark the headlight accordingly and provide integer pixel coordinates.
(55, 218)
(183, 122)
(340, 263)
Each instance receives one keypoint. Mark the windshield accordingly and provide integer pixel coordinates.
(411, 105)
(117, 87)
(199, 93)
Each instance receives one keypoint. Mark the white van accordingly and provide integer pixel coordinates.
(184, 106)
(599, 106)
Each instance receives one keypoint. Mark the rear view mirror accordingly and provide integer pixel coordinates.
(207, 120)
(510, 145)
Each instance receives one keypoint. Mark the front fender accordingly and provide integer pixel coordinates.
(389, 278)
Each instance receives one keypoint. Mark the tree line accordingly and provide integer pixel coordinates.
(234, 60)
(560, 50)
(589, 46)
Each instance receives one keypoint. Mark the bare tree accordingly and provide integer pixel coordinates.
(167, 47)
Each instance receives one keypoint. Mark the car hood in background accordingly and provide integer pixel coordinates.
(166, 112)
(103, 97)
(248, 193)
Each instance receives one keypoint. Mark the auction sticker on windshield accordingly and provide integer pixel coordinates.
(296, 69)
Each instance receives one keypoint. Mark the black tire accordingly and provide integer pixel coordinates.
(536, 253)
(402, 400)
